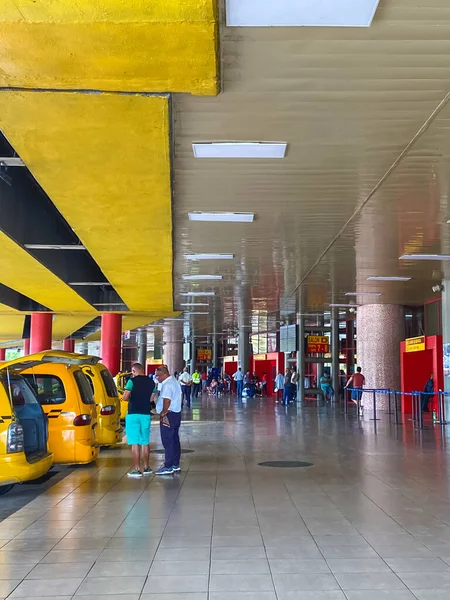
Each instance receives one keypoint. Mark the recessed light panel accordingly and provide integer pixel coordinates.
(89, 283)
(363, 294)
(54, 247)
(201, 277)
(393, 278)
(425, 257)
(222, 217)
(301, 13)
(239, 149)
(343, 305)
(194, 304)
(209, 256)
(197, 294)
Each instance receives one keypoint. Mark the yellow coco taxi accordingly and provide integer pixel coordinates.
(24, 453)
(64, 393)
(121, 381)
(109, 430)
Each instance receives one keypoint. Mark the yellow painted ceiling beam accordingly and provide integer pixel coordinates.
(133, 322)
(139, 45)
(23, 273)
(105, 162)
(65, 325)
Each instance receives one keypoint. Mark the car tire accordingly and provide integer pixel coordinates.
(4, 489)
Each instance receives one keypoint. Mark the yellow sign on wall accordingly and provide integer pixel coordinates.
(260, 356)
(416, 344)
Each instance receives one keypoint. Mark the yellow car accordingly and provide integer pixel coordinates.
(121, 381)
(109, 430)
(24, 453)
(66, 397)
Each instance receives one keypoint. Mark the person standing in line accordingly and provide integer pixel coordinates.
(186, 381)
(263, 385)
(138, 393)
(239, 379)
(196, 383)
(427, 394)
(279, 385)
(169, 409)
(204, 381)
(287, 391)
(294, 381)
(247, 378)
(356, 381)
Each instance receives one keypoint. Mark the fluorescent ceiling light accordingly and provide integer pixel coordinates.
(54, 247)
(393, 278)
(196, 313)
(343, 305)
(425, 257)
(208, 256)
(108, 304)
(239, 149)
(222, 217)
(11, 161)
(197, 294)
(89, 283)
(194, 304)
(301, 13)
(201, 277)
(363, 294)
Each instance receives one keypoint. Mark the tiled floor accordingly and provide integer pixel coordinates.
(370, 520)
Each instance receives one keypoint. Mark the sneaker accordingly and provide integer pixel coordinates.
(164, 471)
(176, 469)
(147, 471)
(135, 473)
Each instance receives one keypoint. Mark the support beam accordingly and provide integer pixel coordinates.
(142, 347)
(301, 359)
(69, 345)
(335, 352)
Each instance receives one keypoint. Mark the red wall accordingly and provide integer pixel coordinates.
(416, 368)
(271, 366)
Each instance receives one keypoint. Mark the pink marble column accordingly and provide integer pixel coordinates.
(379, 330)
(173, 345)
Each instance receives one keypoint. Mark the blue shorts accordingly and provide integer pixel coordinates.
(138, 429)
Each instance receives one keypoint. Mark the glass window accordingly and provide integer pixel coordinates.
(433, 318)
(87, 397)
(21, 392)
(110, 386)
(49, 389)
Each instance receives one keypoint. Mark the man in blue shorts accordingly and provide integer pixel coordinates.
(138, 392)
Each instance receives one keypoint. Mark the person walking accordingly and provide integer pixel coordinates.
(185, 380)
(356, 382)
(196, 383)
(138, 393)
(294, 382)
(239, 379)
(279, 385)
(169, 409)
(427, 394)
(204, 381)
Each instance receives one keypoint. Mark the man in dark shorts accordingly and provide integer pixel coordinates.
(138, 393)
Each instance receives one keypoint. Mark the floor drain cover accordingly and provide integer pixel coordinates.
(285, 464)
(162, 451)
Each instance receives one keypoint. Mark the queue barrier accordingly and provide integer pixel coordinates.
(416, 397)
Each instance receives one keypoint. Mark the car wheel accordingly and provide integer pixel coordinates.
(4, 489)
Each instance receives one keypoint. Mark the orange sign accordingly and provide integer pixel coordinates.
(260, 356)
(204, 354)
(318, 344)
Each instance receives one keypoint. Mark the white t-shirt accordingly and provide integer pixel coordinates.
(185, 378)
(171, 389)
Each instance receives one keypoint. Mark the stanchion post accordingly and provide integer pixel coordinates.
(395, 408)
(419, 411)
(441, 407)
(345, 401)
(375, 406)
(358, 405)
(413, 407)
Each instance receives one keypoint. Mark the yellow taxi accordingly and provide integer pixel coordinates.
(121, 381)
(24, 453)
(109, 430)
(65, 395)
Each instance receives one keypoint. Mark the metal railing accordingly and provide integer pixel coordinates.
(393, 402)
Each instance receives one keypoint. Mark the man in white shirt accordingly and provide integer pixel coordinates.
(239, 379)
(186, 382)
(169, 409)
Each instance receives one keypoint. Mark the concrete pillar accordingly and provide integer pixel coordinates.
(214, 342)
(380, 329)
(173, 345)
(320, 365)
(142, 347)
(193, 352)
(301, 359)
(69, 345)
(111, 342)
(244, 350)
(335, 352)
(350, 344)
(41, 332)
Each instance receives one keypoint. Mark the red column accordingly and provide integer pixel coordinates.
(2, 353)
(69, 345)
(111, 343)
(26, 346)
(41, 332)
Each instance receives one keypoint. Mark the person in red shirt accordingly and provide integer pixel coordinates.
(356, 381)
